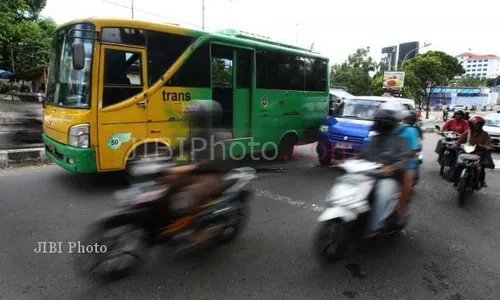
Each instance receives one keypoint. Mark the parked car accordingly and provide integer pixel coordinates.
(492, 127)
(349, 129)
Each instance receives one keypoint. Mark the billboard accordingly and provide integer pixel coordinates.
(393, 80)
(406, 48)
(389, 56)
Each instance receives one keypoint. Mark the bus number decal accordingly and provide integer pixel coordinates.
(116, 140)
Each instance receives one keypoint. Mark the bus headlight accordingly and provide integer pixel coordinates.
(78, 136)
(323, 128)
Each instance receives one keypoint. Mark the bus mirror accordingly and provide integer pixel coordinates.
(78, 54)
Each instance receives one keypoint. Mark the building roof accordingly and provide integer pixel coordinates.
(476, 56)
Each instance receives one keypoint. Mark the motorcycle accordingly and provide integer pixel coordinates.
(448, 153)
(470, 163)
(149, 215)
(445, 115)
(349, 201)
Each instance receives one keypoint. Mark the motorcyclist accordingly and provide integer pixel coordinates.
(197, 182)
(391, 151)
(476, 136)
(456, 124)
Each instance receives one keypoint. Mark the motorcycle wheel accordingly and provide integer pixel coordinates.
(125, 252)
(462, 191)
(330, 243)
(234, 223)
(444, 163)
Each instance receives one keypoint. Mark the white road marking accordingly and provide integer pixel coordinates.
(288, 200)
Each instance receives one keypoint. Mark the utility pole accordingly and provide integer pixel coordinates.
(203, 14)
(132, 7)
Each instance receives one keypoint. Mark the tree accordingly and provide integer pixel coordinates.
(430, 70)
(354, 73)
(24, 33)
(470, 81)
(492, 82)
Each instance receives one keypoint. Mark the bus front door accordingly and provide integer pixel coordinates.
(123, 77)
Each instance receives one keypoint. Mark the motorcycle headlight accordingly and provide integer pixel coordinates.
(323, 128)
(372, 133)
(78, 136)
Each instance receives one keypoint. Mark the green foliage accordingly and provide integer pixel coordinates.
(429, 70)
(24, 33)
(354, 73)
(469, 81)
(492, 82)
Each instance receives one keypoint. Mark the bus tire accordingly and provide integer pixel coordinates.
(285, 148)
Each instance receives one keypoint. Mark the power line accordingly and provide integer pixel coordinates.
(149, 13)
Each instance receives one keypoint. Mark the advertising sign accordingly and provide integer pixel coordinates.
(393, 80)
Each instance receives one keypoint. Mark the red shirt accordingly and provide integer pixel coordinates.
(457, 126)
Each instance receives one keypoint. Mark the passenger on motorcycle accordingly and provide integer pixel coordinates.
(391, 151)
(199, 181)
(476, 136)
(410, 133)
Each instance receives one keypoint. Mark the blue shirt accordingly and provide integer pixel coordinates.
(411, 135)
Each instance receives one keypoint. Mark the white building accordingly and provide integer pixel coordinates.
(484, 66)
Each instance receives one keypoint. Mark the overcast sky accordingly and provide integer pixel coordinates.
(337, 28)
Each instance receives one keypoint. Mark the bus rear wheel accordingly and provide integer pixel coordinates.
(285, 148)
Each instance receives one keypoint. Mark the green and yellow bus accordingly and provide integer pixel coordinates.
(119, 87)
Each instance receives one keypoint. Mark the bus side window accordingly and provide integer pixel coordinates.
(195, 72)
(122, 76)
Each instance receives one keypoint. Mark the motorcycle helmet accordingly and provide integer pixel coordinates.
(199, 113)
(385, 120)
(476, 124)
(410, 116)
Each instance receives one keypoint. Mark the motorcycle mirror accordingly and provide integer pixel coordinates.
(437, 127)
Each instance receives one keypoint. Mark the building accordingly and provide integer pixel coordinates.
(483, 66)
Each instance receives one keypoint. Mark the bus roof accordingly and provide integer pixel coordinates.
(240, 37)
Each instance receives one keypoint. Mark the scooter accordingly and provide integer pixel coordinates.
(349, 201)
(149, 215)
(448, 152)
(469, 162)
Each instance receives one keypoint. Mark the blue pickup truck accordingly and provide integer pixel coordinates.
(348, 129)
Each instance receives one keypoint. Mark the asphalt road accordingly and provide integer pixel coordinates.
(447, 252)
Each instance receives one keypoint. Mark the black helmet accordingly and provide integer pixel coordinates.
(410, 116)
(385, 120)
(200, 112)
(460, 112)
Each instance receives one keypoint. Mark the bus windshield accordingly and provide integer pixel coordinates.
(67, 87)
(357, 109)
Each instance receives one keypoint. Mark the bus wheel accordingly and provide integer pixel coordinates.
(285, 148)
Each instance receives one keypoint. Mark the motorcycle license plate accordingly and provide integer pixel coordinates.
(343, 146)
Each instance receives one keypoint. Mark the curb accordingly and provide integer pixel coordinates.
(17, 156)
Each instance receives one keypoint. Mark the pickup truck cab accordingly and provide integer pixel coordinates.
(349, 128)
